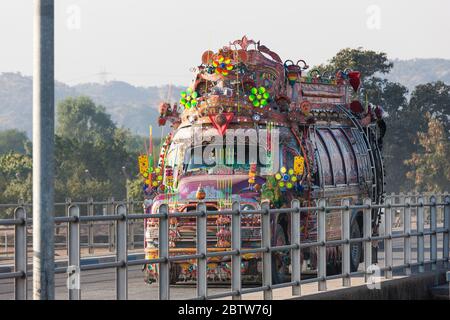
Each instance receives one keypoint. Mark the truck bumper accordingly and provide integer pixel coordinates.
(218, 268)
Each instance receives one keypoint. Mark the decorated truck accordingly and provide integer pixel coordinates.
(253, 128)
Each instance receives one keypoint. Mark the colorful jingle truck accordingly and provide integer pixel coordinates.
(313, 138)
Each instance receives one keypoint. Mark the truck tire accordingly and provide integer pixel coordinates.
(280, 271)
(334, 267)
(355, 247)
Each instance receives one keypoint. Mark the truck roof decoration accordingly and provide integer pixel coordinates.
(245, 82)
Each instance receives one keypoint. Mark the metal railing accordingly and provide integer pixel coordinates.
(93, 236)
(122, 218)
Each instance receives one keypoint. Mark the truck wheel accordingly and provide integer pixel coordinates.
(334, 267)
(356, 247)
(280, 259)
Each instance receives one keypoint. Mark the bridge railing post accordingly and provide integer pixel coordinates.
(296, 252)
(407, 232)
(131, 224)
(346, 279)
(267, 256)
(202, 281)
(440, 209)
(90, 213)
(73, 240)
(400, 213)
(446, 244)
(367, 234)
(111, 225)
(420, 237)
(433, 238)
(236, 245)
(122, 253)
(67, 204)
(5, 250)
(20, 254)
(164, 285)
(388, 240)
(322, 251)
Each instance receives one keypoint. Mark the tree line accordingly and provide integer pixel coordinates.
(93, 156)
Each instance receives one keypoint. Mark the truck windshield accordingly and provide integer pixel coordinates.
(237, 158)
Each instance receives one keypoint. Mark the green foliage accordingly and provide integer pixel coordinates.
(93, 157)
(80, 119)
(18, 189)
(402, 141)
(91, 152)
(78, 187)
(15, 179)
(14, 140)
(434, 98)
(388, 94)
(430, 166)
(136, 143)
(135, 188)
(14, 165)
(367, 62)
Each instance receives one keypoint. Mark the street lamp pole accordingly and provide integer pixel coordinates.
(43, 150)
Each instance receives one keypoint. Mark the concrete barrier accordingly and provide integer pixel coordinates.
(414, 287)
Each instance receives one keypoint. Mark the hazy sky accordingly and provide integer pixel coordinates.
(148, 42)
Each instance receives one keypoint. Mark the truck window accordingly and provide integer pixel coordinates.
(194, 160)
(173, 156)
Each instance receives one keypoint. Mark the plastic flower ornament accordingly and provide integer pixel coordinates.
(222, 65)
(188, 98)
(252, 174)
(158, 177)
(286, 178)
(153, 179)
(259, 97)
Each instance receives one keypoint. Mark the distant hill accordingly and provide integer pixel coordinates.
(132, 107)
(413, 72)
(136, 107)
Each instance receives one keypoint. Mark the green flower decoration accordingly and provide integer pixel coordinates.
(188, 98)
(259, 97)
